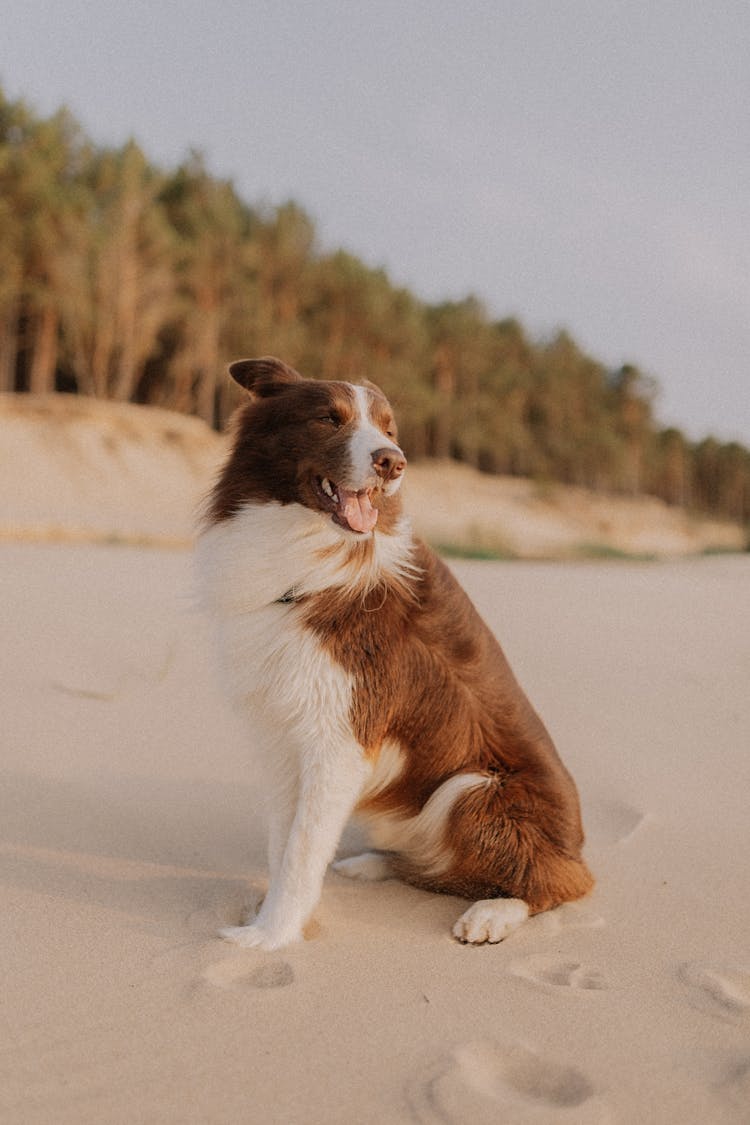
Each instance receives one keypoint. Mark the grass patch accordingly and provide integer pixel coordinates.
(605, 553)
(710, 552)
(75, 536)
(469, 551)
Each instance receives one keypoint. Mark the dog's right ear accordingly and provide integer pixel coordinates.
(263, 377)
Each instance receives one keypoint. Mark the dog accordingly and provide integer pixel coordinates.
(370, 681)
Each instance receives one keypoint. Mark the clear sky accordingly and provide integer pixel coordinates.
(576, 163)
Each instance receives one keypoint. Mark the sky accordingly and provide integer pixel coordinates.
(578, 164)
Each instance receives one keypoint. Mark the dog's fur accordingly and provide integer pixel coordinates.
(369, 680)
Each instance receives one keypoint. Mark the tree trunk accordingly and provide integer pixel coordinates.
(445, 384)
(208, 364)
(44, 352)
(8, 347)
(126, 370)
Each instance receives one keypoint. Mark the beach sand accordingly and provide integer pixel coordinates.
(129, 833)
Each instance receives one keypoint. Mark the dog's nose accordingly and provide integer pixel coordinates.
(388, 462)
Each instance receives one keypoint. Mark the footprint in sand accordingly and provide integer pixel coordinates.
(105, 678)
(720, 990)
(559, 974)
(734, 1087)
(486, 1082)
(613, 822)
(239, 972)
(569, 916)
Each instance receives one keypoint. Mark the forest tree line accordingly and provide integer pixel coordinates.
(124, 281)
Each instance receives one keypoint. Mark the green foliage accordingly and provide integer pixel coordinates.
(125, 281)
(480, 554)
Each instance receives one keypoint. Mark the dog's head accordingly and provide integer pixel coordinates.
(329, 446)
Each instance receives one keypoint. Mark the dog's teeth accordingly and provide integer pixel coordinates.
(328, 488)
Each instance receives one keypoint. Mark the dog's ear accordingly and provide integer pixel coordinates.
(263, 377)
(373, 387)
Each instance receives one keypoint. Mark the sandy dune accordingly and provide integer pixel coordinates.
(128, 835)
(74, 469)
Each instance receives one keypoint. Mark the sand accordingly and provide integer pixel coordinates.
(129, 834)
(74, 469)
(129, 828)
(464, 510)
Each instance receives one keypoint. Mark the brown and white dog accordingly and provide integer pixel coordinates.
(370, 681)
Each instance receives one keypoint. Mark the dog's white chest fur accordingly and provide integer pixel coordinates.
(250, 570)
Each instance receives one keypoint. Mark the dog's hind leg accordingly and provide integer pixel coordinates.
(505, 842)
(491, 919)
(370, 867)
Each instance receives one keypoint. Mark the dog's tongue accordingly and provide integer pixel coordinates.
(356, 509)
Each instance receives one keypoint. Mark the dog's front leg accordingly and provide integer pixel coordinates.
(282, 798)
(330, 781)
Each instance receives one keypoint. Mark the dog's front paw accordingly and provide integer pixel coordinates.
(257, 937)
(491, 920)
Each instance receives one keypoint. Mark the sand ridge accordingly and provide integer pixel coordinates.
(74, 469)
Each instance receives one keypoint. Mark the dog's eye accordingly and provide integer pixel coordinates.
(331, 419)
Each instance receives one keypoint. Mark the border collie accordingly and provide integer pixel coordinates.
(370, 682)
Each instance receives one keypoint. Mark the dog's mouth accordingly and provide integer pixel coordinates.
(350, 510)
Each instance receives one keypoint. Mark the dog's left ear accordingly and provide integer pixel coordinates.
(373, 387)
(265, 376)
